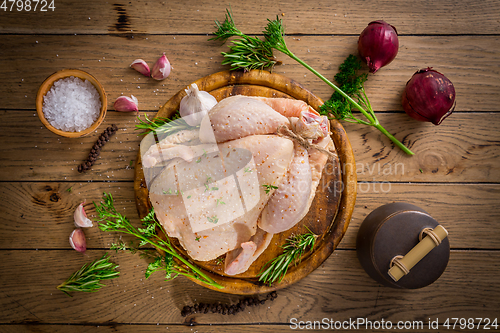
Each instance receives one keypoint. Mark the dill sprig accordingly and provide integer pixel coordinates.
(163, 125)
(245, 52)
(89, 277)
(274, 34)
(113, 221)
(293, 249)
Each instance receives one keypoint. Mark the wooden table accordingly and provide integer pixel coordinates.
(454, 175)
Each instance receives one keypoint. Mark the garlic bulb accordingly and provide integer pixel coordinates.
(195, 105)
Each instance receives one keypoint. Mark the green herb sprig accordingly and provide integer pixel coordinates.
(245, 52)
(268, 188)
(89, 277)
(111, 220)
(293, 249)
(163, 125)
(352, 84)
(243, 57)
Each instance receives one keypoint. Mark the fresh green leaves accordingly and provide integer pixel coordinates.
(172, 262)
(352, 84)
(245, 52)
(225, 29)
(242, 56)
(162, 263)
(163, 125)
(213, 219)
(89, 277)
(293, 249)
(268, 188)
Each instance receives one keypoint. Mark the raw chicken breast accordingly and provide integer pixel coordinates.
(271, 156)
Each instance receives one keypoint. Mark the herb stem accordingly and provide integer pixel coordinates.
(121, 224)
(369, 115)
(393, 139)
(328, 82)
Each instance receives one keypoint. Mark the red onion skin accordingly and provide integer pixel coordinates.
(429, 96)
(378, 44)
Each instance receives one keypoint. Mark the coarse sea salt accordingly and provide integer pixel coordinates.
(72, 104)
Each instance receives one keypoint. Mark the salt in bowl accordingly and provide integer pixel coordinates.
(62, 74)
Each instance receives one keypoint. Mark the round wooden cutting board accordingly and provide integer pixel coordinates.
(330, 211)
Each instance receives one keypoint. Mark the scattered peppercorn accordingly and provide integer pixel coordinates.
(226, 309)
(96, 148)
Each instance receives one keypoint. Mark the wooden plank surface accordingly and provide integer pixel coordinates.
(455, 174)
(339, 289)
(442, 153)
(212, 328)
(322, 17)
(472, 63)
(44, 211)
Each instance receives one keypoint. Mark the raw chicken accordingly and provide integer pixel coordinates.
(238, 261)
(240, 116)
(271, 155)
(230, 185)
(288, 203)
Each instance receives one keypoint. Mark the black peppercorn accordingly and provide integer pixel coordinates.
(96, 148)
(226, 309)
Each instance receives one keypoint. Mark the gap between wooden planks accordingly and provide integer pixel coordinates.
(44, 211)
(464, 148)
(338, 289)
(471, 62)
(300, 17)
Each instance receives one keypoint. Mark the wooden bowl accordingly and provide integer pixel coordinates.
(64, 73)
(332, 206)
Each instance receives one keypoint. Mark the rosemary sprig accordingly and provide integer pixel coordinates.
(274, 39)
(112, 220)
(163, 125)
(89, 277)
(293, 249)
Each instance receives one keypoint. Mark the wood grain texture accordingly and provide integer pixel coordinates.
(464, 148)
(455, 174)
(339, 289)
(471, 62)
(40, 215)
(300, 17)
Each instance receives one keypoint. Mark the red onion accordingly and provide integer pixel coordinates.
(378, 44)
(429, 96)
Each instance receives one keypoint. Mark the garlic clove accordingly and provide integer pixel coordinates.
(161, 69)
(195, 105)
(77, 240)
(141, 66)
(81, 219)
(127, 104)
